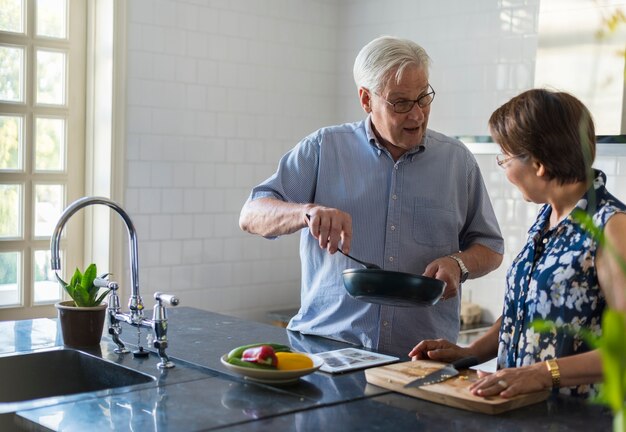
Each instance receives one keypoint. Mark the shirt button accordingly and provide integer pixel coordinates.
(395, 167)
(545, 241)
(385, 323)
(393, 227)
(391, 258)
(394, 196)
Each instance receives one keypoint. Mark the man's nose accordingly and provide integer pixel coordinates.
(416, 113)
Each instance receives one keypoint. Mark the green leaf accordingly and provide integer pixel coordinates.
(76, 278)
(613, 354)
(61, 281)
(91, 273)
(543, 326)
(102, 296)
(82, 289)
(88, 277)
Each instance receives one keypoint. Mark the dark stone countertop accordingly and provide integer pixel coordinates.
(200, 394)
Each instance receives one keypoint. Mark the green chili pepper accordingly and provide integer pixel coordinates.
(238, 362)
(237, 352)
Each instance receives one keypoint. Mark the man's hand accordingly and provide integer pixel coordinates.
(447, 270)
(331, 227)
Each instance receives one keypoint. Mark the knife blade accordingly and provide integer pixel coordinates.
(449, 371)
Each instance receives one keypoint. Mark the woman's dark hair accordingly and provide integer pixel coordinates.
(554, 128)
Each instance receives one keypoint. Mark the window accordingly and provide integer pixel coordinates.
(42, 146)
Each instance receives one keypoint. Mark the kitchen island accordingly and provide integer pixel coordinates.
(200, 394)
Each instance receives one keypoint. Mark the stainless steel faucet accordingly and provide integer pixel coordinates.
(135, 318)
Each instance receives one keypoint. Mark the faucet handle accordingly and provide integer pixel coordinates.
(169, 299)
(159, 314)
(101, 282)
(159, 325)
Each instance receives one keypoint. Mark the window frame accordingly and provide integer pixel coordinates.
(85, 50)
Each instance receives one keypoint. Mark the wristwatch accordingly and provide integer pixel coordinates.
(464, 271)
(555, 373)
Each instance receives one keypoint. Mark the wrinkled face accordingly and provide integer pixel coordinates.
(398, 132)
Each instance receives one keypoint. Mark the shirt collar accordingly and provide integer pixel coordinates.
(588, 203)
(373, 140)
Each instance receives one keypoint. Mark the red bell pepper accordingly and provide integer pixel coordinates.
(263, 355)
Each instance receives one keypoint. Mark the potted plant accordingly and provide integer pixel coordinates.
(82, 318)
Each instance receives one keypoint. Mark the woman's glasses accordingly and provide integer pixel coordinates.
(501, 159)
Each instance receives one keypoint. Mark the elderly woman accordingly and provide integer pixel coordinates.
(562, 274)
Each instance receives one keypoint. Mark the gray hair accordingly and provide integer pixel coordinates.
(380, 57)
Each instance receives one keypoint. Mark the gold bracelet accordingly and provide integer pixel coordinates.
(555, 373)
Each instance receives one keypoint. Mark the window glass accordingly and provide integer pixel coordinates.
(51, 77)
(52, 18)
(49, 144)
(11, 142)
(10, 211)
(12, 16)
(48, 208)
(10, 268)
(11, 73)
(47, 289)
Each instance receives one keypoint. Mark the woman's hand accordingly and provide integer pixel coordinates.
(513, 381)
(439, 350)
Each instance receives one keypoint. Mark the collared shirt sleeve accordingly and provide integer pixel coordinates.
(296, 177)
(481, 226)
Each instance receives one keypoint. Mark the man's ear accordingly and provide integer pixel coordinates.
(364, 97)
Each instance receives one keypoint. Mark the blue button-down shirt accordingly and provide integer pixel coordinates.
(405, 213)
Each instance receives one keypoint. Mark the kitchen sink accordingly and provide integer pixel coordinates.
(61, 372)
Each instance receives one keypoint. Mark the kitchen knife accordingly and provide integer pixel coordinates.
(448, 371)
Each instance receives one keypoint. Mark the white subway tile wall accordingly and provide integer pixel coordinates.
(219, 90)
(515, 217)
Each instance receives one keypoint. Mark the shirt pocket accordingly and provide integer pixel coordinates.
(433, 226)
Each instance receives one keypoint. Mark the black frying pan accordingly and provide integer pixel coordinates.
(375, 285)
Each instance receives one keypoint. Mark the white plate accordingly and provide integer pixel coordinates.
(270, 376)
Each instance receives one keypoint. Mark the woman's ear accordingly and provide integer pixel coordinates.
(364, 97)
(540, 169)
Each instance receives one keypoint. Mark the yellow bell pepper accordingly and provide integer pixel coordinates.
(293, 361)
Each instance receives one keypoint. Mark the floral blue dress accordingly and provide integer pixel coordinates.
(554, 278)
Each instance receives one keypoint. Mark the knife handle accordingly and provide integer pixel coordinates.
(465, 362)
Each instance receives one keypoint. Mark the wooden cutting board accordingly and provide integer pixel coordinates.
(453, 392)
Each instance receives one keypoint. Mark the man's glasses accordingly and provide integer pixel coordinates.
(404, 106)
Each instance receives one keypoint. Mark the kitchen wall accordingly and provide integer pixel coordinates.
(219, 90)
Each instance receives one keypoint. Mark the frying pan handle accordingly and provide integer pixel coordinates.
(465, 362)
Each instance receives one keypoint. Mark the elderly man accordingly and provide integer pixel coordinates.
(390, 191)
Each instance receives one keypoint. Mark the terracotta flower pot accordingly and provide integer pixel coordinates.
(81, 326)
